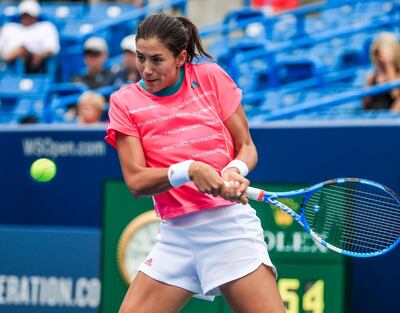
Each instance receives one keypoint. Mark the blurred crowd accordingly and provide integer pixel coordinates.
(33, 41)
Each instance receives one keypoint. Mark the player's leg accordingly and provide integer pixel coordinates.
(256, 292)
(147, 295)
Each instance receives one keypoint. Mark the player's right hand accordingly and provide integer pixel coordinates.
(206, 178)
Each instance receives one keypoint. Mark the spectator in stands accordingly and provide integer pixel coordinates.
(127, 72)
(91, 107)
(95, 54)
(385, 55)
(33, 40)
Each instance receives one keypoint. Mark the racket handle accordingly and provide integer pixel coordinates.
(252, 192)
(255, 193)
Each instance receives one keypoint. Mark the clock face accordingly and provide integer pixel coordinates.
(135, 243)
(140, 245)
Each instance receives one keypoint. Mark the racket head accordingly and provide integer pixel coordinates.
(353, 216)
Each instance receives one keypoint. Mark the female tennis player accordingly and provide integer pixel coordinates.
(180, 133)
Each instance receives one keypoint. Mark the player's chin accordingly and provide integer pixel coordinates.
(152, 86)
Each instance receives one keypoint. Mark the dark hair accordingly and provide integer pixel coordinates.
(177, 32)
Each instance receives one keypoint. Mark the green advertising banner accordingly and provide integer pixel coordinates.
(311, 278)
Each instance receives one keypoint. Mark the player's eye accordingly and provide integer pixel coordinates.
(156, 60)
(140, 58)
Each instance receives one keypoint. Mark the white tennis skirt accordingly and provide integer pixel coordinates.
(203, 250)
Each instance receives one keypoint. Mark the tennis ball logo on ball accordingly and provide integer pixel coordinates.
(43, 170)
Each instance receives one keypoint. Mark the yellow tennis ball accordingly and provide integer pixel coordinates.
(43, 170)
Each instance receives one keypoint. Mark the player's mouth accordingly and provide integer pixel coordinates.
(150, 81)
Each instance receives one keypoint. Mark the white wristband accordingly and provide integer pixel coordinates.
(240, 165)
(178, 173)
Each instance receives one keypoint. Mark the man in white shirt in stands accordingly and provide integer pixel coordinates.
(127, 72)
(31, 39)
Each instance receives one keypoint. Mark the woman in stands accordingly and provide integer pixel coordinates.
(91, 107)
(180, 133)
(385, 55)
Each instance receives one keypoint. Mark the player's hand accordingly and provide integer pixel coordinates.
(235, 186)
(206, 178)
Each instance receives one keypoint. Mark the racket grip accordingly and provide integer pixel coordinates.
(255, 193)
(252, 192)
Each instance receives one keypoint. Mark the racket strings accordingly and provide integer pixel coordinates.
(364, 202)
(368, 238)
(354, 217)
(366, 227)
(374, 214)
(369, 197)
(369, 194)
(349, 246)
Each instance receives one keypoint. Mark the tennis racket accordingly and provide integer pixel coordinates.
(351, 216)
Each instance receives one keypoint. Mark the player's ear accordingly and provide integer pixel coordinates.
(182, 58)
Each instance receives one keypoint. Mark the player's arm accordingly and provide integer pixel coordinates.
(146, 181)
(141, 180)
(245, 151)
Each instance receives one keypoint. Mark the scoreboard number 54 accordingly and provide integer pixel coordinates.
(312, 295)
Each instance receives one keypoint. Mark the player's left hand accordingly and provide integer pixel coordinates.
(235, 186)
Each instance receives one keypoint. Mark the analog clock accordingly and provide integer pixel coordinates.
(135, 242)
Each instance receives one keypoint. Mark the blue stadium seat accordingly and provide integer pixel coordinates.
(32, 108)
(101, 11)
(234, 51)
(238, 19)
(298, 69)
(360, 76)
(15, 68)
(285, 27)
(16, 86)
(13, 89)
(64, 10)
(7, 10)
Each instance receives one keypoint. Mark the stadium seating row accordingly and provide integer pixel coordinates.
(325, 58)
(45, 96)
(78, 21)
(278, 61)
(336, 103)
